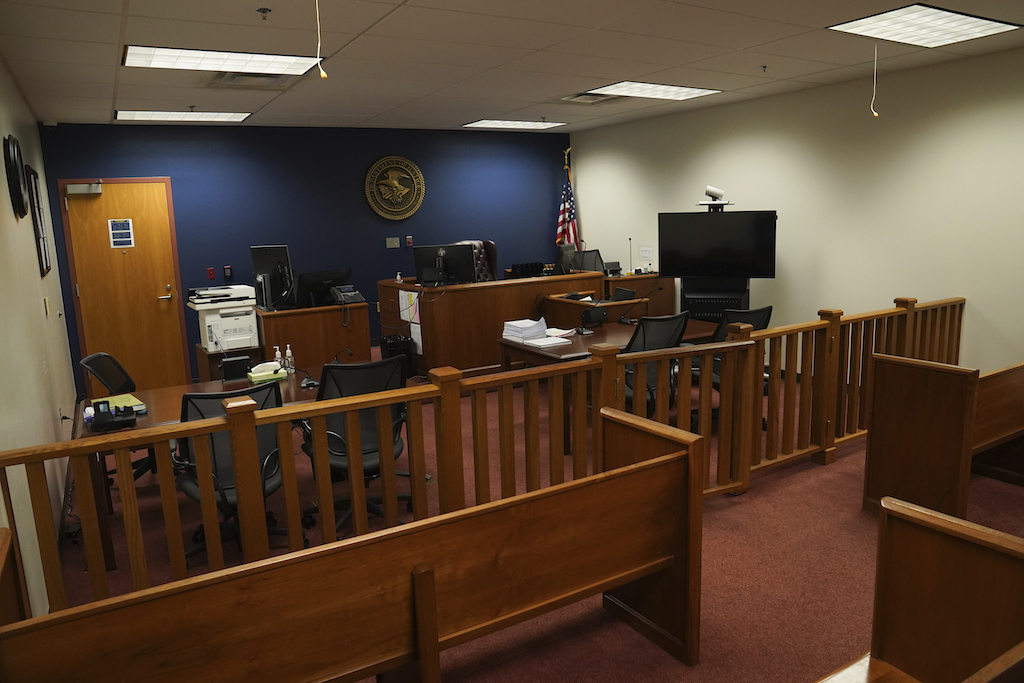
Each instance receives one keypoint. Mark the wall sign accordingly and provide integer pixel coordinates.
(394, 188)
(122, 232)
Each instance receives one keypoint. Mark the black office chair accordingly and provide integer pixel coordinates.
(199, 406)
(623, 294)
(756, 317)
(116, 379)
(353, 379)
(651, 333)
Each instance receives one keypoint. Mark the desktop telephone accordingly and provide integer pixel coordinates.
(346, 294)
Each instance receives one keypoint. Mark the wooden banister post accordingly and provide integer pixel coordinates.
(448, 437)
(749, 374)
(245, 457)
(826, 384)
(605, 395)
(905, 328)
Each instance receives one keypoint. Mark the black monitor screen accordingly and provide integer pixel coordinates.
(588, 260)
(314, 289)
(272, 271)
(717, 244)
(566, 252)
(444, 264)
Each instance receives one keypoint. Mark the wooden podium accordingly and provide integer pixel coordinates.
(317, 334)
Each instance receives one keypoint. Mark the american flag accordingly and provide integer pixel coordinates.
(567, 232)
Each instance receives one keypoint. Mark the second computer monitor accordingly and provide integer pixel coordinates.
(272, 271)
(314, 289)
(444, 264)
(588, 260)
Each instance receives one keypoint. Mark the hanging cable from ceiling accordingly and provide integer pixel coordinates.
(323, 74)
(874, 83)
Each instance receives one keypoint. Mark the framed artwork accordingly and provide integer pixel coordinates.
(38, 220)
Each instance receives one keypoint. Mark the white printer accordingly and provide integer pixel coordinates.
(227, 317)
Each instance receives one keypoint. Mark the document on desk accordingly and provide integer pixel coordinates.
(547, 342)
(124, 401)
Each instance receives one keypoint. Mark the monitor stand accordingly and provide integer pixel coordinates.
(707, 297)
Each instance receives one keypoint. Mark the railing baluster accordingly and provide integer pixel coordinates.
(388, 481)
(39, 494)
(5, 489)
(841, 385)
(290, 484)
(556, 430)
(208, 498)
(507, 441)
(727, 401)
(853, 395)
(757, 388)
(172, 517)
(579, 428)
(130, 515)
(640, 389)
(684, 393)
(356, 480)
(803, 438)
(417, 462)
(789, 407)
(89, 517)
(322, 473)
(531, 428)
(661, 392)
(481, 464)
(771, 448)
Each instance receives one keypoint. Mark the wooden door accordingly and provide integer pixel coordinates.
(126, 284)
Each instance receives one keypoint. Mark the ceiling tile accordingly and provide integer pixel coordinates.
(834, 47)
(702, 78)
(840, 75)
(337, 16)
(611, 70)
(627, 46)
(380, 70)
(591, 13)
(777, 87)
(391, 49)
(23, 48)
(61, 24)
(75, 73)
(459, 27)
(108, 6)
(747, 63)
(303, 120)
(809, 13)
(523, 85)
(207, 36)
(180, 99)
(33, 88)
(705, 26)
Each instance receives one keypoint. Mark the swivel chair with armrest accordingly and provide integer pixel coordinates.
(652, 333)
(758, 318)
(622, 294)
(352, 379)
(485, 259)
(116, 379)
(199, 406)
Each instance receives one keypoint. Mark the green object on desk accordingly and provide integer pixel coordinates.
(124, 401)
(271, 376)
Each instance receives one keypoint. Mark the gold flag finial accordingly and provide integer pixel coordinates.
(566, 152)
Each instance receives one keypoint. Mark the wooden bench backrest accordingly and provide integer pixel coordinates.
(999, 416)
(919, 425)
(346, 609)
(948, 594)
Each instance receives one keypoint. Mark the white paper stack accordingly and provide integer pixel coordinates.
(522, 330)
(546, 342)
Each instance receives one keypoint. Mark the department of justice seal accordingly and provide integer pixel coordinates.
(395, 188)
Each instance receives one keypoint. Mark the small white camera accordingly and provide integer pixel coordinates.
(715, 193)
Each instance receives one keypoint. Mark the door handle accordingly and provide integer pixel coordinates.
(169, 296)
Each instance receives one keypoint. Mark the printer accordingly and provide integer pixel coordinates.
(227, 317)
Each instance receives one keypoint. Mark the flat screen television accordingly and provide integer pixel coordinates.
(734, 244)
(272, 271)
(444, 264)
(314, 289)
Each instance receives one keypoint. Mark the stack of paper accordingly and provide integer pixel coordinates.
(558, 332)
(521, 330)
(546, 342)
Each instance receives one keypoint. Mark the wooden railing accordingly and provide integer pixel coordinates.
(781, 392)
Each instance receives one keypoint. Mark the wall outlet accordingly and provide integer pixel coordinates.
(391, 243)
(646, 253)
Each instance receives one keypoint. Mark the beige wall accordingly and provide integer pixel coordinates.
(33, 345)
(927, 200)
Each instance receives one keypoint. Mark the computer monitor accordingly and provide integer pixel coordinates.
(314, 289)
(566, 253)
(444, 264)
(588, 260)
(272, 271)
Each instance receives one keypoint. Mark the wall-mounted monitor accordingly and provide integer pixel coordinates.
(734, 244)
(314, 289)
(444, 264)
(272, 271)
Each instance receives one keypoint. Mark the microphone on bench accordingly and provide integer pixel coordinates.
(630, 321)
(592, 315)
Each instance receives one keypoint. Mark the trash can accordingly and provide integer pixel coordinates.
(399, 345)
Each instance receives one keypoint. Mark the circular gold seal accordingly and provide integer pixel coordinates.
(395, 188)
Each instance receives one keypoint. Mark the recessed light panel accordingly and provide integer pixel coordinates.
(924, 26)
(205, 60)
(652, 91)
(185, 116)
(522, 125)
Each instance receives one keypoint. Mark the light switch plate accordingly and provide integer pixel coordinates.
(391, 242)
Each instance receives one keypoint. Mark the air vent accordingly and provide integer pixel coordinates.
(590, 98)
(252, 81)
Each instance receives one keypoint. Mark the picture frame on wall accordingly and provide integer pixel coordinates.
(38, 220)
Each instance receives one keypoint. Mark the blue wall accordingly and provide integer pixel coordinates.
(235, 187)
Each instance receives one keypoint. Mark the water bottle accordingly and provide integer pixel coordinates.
(289, 360)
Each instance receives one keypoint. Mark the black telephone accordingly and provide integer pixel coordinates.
(346, 294)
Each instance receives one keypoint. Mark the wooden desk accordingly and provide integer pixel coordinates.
(459, 323)
(317, 334)
(663, 301)
(567, 313)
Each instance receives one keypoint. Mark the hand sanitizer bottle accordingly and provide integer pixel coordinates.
(277, 355)
(289, 360)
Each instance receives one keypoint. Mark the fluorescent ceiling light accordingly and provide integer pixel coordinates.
(204, 60)
(524, 125)
(187, 116)
(652, 91)
(924, 26)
